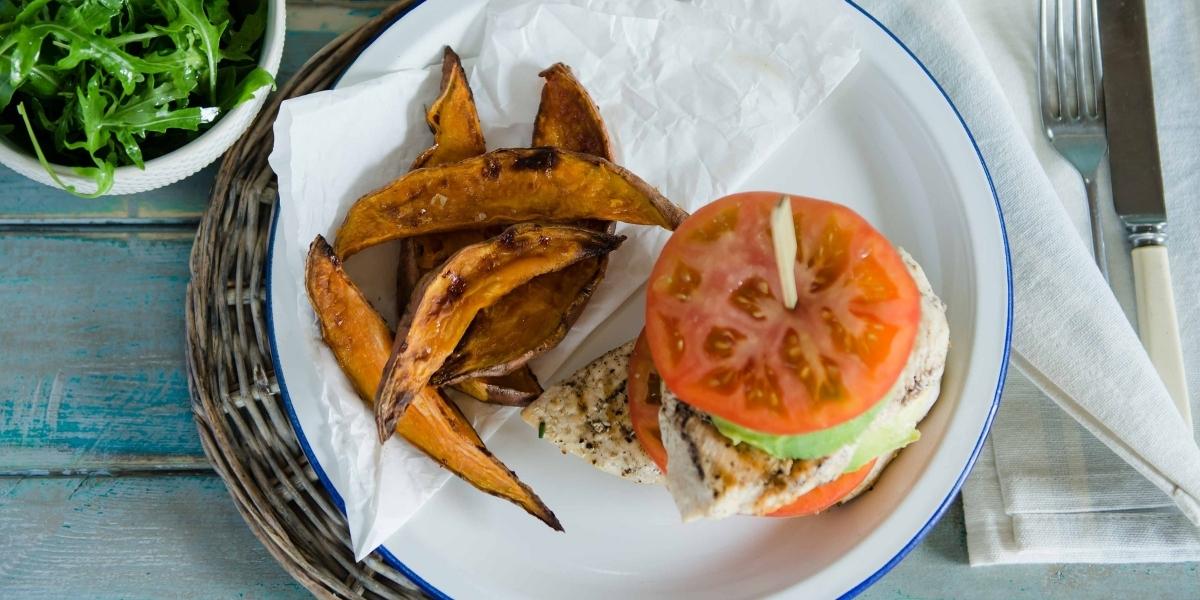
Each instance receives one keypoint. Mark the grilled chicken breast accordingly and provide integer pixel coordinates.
(712, 477)
(588, 415)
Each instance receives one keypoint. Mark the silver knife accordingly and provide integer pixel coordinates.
(1137, 184)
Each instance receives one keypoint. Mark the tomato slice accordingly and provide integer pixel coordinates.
(645, 399)
(724, 342)
(825, 496)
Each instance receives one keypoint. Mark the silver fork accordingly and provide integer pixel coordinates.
(1072, 97)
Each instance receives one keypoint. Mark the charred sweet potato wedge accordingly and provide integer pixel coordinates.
(521, 325)
(567, 117)
(473, 279)
(517, 388)
(424, 253)
(361, 343)
(457, 134)
(536, 317)
(503, 186)
(452, 118)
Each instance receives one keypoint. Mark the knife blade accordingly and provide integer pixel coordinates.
(1137, 185)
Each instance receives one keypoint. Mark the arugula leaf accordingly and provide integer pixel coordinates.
(93, 105)
(91, 16)
(26, 48)
(244, 88)
(132, 150)
(102, 174)
(191, 12)
(30, 11)
(7, 89)
(251, 31)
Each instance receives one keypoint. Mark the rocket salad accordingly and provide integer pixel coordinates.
(98, 84)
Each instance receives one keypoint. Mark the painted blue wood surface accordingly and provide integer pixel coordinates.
(176, 536)
(92, 361)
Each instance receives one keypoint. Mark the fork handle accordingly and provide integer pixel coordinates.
(1157, 325)
(1096, 217)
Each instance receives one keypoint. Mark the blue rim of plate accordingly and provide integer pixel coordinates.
(429, 588)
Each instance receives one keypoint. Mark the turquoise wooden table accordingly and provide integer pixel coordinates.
(104, 490)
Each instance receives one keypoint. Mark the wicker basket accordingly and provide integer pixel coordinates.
(235, 397)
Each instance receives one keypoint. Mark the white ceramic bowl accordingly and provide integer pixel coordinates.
(177, 164)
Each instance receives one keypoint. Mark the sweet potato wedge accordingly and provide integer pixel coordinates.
(536, 317)
(517, 388)
(521, 325)
(473, 279)
(567, 117)
(503, 186)
(457, 134)
(452, 118)
(361, 343)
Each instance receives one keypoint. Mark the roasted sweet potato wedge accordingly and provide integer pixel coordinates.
(361, 343)
(503, 186)
(452, 118)
(536, 316)
(521, 325)
(457, 134)
(473, 279)
(567, 117)
(517, 388)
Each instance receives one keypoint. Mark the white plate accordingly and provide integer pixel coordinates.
(888, 143)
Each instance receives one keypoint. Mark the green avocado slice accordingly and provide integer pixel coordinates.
(804, 445)
(874, 439)
(887, 436)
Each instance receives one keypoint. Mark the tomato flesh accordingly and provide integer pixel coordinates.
(724, 342)
(825, 496)
(645, 399)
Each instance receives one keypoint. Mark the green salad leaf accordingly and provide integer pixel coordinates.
(98, 84)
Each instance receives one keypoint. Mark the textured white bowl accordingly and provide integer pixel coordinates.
(180, 163)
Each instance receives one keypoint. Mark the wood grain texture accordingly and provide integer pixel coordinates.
(173, 536)
(91, 375)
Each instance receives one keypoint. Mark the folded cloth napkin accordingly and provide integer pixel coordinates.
(1045, 489)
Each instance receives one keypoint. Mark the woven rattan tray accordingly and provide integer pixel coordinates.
(243, 424)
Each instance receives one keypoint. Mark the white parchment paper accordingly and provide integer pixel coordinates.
(696, 95)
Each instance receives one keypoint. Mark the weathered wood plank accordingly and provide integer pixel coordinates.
(131, 537)
(26, 202)
(91, 366)
(938, 568)
(181, 537)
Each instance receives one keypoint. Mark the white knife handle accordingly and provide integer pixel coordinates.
(1157, 324)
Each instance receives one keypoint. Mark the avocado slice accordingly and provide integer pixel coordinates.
(804, 445)
(874, 437)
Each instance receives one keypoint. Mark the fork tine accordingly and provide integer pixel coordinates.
(1044, 78)
(1081, 56)
(1060, 51)
(1097, 66)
